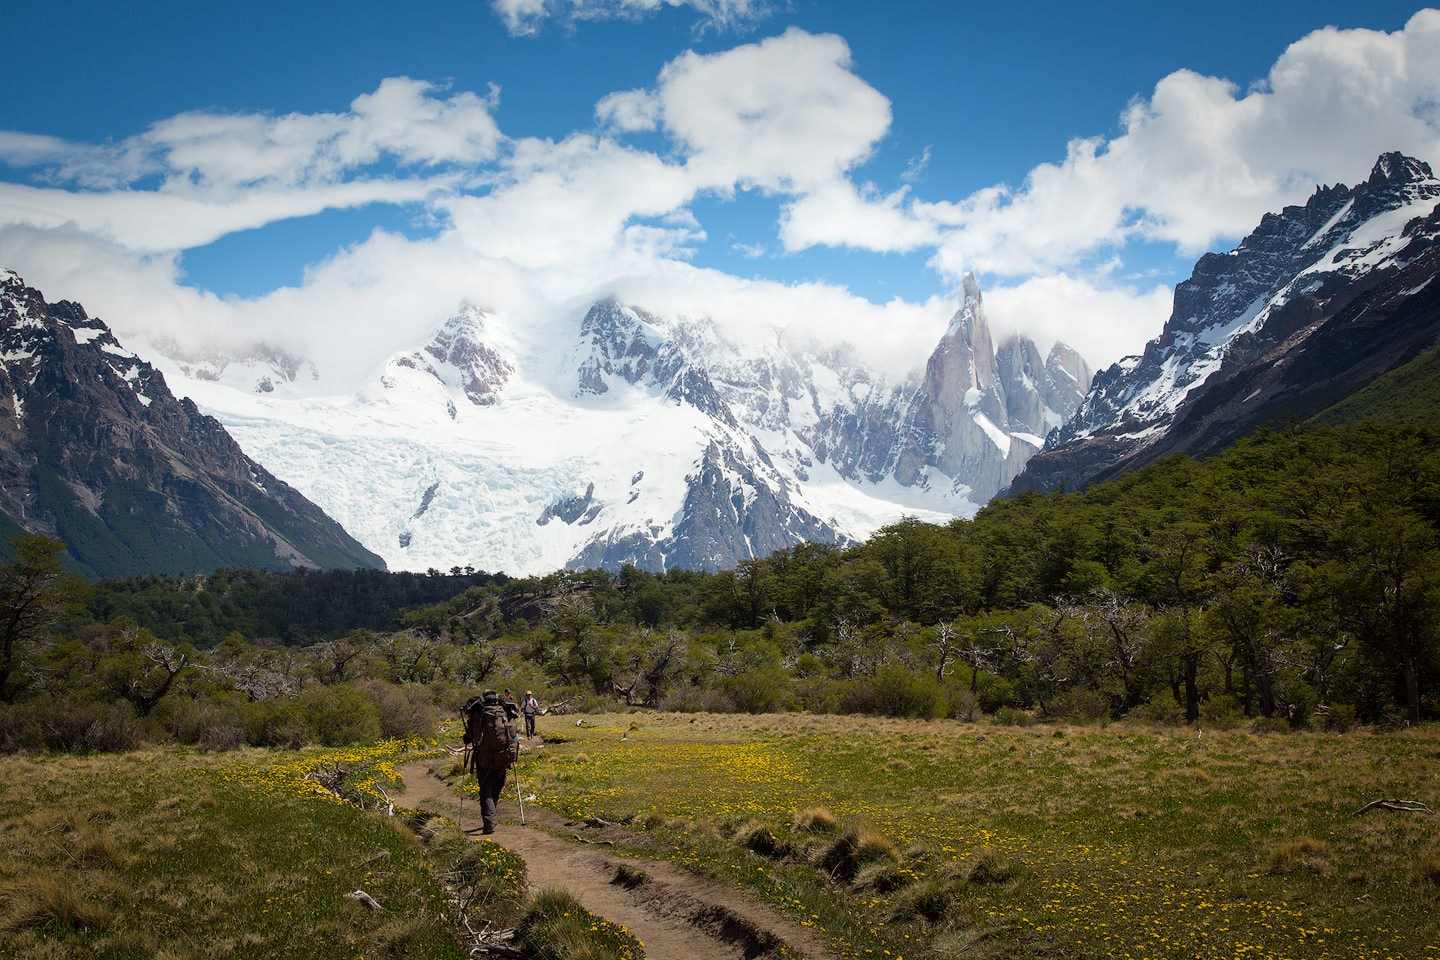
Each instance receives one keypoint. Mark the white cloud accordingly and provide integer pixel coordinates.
(834, 213)
(630, 111)
(151, 222)
(523, 17)
(785, 115)
(1199, 161)
(569, 210)
(547, 222)
(221, 173)
(1103, 323)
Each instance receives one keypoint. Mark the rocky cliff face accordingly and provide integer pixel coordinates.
(1255, 335)
(973, 419)
(96, 450)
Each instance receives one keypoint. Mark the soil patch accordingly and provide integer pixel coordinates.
(676, 914)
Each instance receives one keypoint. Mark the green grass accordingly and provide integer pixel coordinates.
(924, 839)
(171, 854)
(1035, 841)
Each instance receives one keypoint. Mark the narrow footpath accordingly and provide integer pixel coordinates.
(675, 914)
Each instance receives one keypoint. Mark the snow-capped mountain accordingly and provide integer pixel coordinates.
(1316, 302)
(96, 450)
(630, 437)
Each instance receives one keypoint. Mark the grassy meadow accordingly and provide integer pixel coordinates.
(168, 853)
(894, 838)
(905, 838)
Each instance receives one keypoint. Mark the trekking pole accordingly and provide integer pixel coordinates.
(464, 769)
(518, 799)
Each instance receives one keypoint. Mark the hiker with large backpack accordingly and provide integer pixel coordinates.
(494, 745)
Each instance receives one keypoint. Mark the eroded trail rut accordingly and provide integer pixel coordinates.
(677, 915)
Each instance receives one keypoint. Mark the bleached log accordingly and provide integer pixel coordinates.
(1404, 806)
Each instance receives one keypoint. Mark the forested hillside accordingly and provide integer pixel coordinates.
(1290, 581)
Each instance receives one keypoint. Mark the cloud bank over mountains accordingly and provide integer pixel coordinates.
(538, 227)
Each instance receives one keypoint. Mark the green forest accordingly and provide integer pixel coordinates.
(1291, 582)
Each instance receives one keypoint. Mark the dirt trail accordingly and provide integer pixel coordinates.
(677, 915)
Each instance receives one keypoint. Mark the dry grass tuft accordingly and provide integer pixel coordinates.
(816, 820)
(756, 836)
(1426, 872)
(930, 900)
(883, 877)
(95, 848)
(1304, 854)
(987, 866)
(857, 845)
(49, 902)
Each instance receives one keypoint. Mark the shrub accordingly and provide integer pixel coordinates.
(276, 723)
(1221, 713)
(697, 700)
(1340, 718)
(820, 694)
(1164, 710)
(403, 711)
(761, 690)
(1270, 725)
(961, 704)
(341, 715)
(215, 723)
(895, 691)
(1013, 717)
(71, 726)
(1083, 706)
(994, 692)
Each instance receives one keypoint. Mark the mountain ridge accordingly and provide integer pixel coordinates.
(1316, 302)
(98, 452)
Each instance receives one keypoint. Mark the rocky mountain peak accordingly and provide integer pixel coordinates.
(1282, 291)
(95, 449)
(1396, 168)
(459, 355)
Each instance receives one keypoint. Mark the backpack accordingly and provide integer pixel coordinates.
(491, 733)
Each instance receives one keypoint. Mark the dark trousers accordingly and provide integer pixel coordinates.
(529, 724)
(491, 783)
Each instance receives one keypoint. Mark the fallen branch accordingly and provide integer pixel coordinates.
(1404, 806)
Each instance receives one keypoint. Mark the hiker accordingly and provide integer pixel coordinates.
(512, 709)
(530, 707)
(494, 742)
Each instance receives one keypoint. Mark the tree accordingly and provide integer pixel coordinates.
(130, 663)
(35, 592)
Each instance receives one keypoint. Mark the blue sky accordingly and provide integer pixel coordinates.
(286, 171)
